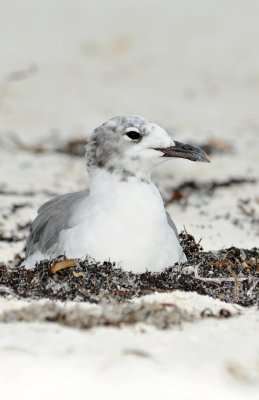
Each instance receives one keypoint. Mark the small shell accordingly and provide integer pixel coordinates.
(62, 265)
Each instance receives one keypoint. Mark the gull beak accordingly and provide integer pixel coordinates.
(180, 150)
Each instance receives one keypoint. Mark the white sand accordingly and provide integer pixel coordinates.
(211, 358)
(191, 66)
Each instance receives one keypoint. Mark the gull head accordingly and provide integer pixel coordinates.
(131, 145)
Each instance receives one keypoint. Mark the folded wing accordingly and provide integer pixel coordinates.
(53, 217)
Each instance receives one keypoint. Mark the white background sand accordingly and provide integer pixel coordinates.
(193, 67)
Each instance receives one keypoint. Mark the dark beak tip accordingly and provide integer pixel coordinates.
(189, 152)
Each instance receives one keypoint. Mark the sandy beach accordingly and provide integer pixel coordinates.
(192, 67)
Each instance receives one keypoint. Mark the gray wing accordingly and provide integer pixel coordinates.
(53, 216)
(171, 224)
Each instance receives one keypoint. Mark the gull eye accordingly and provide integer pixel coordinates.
(133, 134)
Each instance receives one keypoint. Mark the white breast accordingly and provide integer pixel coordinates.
(123, 222)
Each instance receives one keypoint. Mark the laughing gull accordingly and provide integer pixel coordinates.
(122, 217)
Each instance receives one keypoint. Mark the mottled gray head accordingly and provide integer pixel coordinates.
(132, 144)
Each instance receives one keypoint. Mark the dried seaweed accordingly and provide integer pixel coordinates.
(231, 275)
(187, 188)
(160, 315)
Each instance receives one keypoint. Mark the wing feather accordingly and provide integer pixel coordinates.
(172, 225)
(53, 216)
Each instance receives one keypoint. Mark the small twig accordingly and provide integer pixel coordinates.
(252, 288)
(236, 286)
(197, 276)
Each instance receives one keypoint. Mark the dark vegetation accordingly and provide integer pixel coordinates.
(231, 275)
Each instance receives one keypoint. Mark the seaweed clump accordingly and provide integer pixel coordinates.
(231, 275)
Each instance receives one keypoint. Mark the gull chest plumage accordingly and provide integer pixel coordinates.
(123, 221)
(122, 218)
